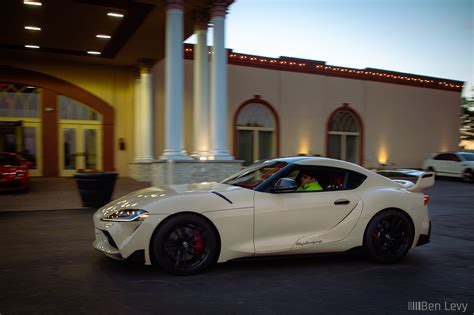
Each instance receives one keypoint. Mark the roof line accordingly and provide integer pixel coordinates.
(321, 68)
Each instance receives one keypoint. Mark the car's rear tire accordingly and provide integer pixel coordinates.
(468, 176)
(185, 244)
(388, 236)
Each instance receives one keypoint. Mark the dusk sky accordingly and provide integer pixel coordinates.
(429, 37)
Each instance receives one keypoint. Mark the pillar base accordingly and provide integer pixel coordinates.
(143, 160)
(186, 172)
(220, 155)
(141, 170)
(171, 154)
(200, 154)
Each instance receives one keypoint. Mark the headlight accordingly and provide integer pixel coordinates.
(20, 173)
(127, 215)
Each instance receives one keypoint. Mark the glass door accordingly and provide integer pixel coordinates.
(80, 148)
(344, 146)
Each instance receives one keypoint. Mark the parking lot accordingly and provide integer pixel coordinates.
(48, 266)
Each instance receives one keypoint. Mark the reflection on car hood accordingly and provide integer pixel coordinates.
(11, 168)
(140, 199)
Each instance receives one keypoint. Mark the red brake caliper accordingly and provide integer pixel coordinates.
(199, 243)
(376, 235)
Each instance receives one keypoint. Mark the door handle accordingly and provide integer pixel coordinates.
(341, 202)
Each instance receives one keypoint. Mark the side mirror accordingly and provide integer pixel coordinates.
(284, 185)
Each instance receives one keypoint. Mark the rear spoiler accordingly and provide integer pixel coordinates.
(411, 180)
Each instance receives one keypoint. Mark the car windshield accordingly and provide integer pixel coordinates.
(254, 175)
(7, 159)
(467, 156)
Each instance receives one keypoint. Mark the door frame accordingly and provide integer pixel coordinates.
(79, 126)
(343, 148)
(35, 123)
(360, 127)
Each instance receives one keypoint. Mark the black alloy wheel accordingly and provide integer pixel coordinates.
(185, 244)
(388, 237)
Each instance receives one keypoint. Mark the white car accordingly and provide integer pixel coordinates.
(260, 211)
(453, 164)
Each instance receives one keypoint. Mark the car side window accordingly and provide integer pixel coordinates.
(454, 157)
(442, 157)
(324, 178)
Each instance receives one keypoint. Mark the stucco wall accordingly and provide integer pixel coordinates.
(113, 84)
(402, 124)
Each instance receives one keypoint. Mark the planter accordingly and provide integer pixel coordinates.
(95, 188)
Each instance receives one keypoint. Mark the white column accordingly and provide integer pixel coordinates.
(144, 116)
(201, 92)
(174, 82)
(138, 120)
(218, 108)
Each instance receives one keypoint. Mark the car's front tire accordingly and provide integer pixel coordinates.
(468, 176)
(185, 244)
(388, 236)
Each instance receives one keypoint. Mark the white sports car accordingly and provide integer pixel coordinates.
(282, 206)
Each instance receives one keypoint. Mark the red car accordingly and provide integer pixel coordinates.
(13, 172)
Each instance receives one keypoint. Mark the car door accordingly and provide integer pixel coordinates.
(281, 219)
(454, 165)
(440, 163)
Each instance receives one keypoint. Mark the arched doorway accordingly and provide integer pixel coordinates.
(72, 128)
(256, 128)
(345, 135)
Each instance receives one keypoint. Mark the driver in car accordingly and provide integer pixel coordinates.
(309, 183)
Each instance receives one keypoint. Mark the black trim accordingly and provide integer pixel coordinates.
(221, 195)
(109, 239)
(427, 175)
(424, 239)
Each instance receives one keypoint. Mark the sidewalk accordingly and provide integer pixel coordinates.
(57, 194)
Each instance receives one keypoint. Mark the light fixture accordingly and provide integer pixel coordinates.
(103, 36)
(32, 28)
(32, 46)
(36, 3)
(115, 14)
(93, 52)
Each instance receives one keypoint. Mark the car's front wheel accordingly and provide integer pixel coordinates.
(388, 237)
(185, 244)
(468, 175)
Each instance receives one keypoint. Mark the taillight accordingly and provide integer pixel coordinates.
(426, 199)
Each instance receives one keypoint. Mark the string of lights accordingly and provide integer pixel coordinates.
(319, 67)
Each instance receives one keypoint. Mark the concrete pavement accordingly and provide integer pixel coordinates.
(48, 266)
(57, 193)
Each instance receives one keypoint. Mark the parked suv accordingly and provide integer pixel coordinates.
(454, 164)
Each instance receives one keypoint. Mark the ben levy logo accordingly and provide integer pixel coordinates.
(425, 306)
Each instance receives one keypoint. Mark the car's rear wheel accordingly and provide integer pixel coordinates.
(185, 244)
(468, 175)
(388, 237)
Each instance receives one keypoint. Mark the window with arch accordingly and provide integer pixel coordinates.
(256, 132)
(344, 136)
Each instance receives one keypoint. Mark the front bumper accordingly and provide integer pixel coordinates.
(424, 238)
(11, 184)
(120, 240)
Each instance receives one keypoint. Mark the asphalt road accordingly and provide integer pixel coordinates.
(47, 266)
